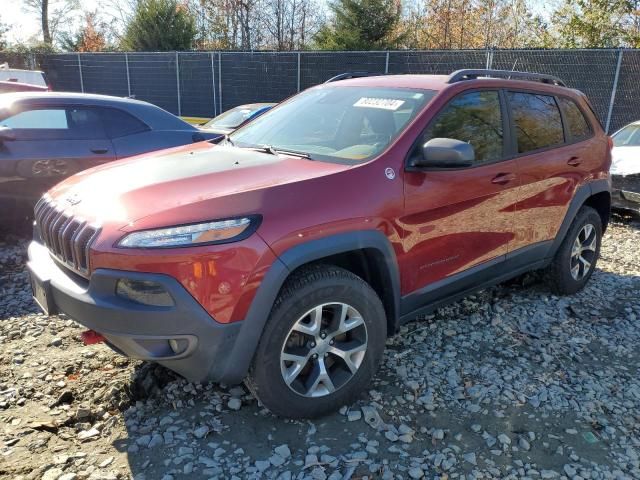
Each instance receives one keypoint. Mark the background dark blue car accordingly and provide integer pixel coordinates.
(45, 137)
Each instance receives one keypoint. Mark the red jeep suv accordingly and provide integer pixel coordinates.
(289, 252)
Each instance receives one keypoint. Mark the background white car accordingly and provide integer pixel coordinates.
(625, 169)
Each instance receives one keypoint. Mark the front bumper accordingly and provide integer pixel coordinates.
(625, 192)
(136, 330)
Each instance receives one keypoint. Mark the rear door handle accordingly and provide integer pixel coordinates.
(100, 150)
(503, 178)
(574, 161)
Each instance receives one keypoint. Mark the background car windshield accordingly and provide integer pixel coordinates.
(346, 124)
(231, 118)
(629, 136)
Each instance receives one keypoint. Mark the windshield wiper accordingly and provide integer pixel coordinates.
(275, 151)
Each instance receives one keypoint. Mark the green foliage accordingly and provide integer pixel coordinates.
(3, 32)
(596, 23)
(360, 25)
(160, 25)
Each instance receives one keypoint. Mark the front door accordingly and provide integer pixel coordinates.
(458, 219)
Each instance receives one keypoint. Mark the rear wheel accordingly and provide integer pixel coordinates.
(576, 258)
(322, 344)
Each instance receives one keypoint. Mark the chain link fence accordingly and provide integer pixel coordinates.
(204, 84)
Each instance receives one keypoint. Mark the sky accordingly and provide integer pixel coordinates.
(23, 26)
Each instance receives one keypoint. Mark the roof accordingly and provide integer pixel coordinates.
(81, 98)
(424, 82)
(152, 115)
(440, 82)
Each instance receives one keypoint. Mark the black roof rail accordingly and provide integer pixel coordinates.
(472, 74)
(347, 75)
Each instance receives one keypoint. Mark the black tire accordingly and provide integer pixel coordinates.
(303, 292)
(559, 273)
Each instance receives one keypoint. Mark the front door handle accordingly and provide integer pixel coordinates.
(100, 150)
(574, 161)
(503, 178)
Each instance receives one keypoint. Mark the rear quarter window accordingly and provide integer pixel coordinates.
(118, 123)
(577, 124)
(537, 121)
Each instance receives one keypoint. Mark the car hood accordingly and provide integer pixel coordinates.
(626, 160)
(185, 181)
(216, 129)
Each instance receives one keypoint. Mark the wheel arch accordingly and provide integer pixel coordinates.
(366, 252)
(595, 194)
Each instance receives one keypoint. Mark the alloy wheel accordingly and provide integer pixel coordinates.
(583, 252)
(323, 350)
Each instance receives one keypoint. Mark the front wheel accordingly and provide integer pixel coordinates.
(576, 258)
(322, 344)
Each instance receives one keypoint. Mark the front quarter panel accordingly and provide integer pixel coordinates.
(222, 278)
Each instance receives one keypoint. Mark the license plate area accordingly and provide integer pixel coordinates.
(42, 294)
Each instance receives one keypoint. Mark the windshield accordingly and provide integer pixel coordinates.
(233, 118)
(629, 136)
(344, 124)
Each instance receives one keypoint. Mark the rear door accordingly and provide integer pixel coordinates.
(553, 161)
(458, 219)
(51, 143)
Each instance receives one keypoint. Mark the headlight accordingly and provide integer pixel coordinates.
(222, 231)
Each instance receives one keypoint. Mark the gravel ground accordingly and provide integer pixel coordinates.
(512, 382)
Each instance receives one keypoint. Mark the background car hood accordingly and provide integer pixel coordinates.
(626, 160)
(126, 191)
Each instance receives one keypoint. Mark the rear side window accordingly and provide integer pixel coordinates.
(120, 124)
(537, 121)
(577, 124)
(475, 118)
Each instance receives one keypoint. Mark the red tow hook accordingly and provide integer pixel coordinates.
(90, 337)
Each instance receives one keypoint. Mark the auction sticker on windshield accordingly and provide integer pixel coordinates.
(383, 103)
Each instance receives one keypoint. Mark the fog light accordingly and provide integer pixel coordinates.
(144, 292)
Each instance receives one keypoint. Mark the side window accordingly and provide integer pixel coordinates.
(45, 118)
(537, 121)
(70, 123)
(577, 125)
(475, 118)
(120, 124)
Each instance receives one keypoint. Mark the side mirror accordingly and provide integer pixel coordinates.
(445, 153)
(6, 134)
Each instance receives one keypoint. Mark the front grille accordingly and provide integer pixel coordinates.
(67, 238)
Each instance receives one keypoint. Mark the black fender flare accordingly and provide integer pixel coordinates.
(579, 198)
(248, 337)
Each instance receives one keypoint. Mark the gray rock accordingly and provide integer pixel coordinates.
(416, 473)
(354, 415)
(234, 403)
(201, 432)
(470, 458)
(283, 451)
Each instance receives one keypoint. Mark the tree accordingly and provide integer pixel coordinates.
(3, 31)
(460, 24)
(360, 25)
(52, 15)
(160, 25)
(597, 23)
(92, 37)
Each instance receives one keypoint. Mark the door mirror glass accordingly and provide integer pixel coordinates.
(445, 153)
(6, 134)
